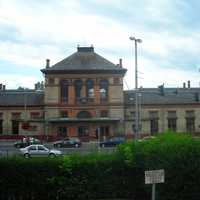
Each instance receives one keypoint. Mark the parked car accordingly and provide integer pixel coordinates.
(39, 150)
(26, 142)
(68, 142)
(111, 142)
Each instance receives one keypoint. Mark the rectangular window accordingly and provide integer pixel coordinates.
(190, 121)
(172, 120)
(62, 131)
(154, 126)
(172, 124)
(190, 125)
(64, 91)
(83, 131)
(15, 127)
(153, 115)
(104, 132)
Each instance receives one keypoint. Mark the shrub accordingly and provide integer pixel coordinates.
(111, 176)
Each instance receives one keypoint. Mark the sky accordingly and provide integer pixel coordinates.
(33, 30)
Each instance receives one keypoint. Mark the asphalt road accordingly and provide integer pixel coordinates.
(7, 148)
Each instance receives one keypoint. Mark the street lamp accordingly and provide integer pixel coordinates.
(136, 88)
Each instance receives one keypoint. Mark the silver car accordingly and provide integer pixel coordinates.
(39, 150)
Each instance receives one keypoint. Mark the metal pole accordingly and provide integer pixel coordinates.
(46, 125)
(136, 94)
(136, 89)
(99, 139)
(153, 191)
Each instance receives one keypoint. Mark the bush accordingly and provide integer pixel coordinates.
(110, 176)
(177, 154)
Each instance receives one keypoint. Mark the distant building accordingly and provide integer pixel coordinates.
(176, 109)
(82, 96)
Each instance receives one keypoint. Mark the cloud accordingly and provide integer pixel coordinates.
(35, 30)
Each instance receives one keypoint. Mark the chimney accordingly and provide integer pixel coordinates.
(36, 86)
(47, 63)
(184, 85)
(1, 86)
(161, 89)
(188, 84)
(4, 87)
(120, 62)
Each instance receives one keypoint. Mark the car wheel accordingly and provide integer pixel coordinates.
(76, 145)
(59, 145)
(51, 155)
(26, 155)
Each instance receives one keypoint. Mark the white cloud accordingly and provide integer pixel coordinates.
(152, 75)
(53, 30)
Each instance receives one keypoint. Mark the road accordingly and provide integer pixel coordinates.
(7, 148)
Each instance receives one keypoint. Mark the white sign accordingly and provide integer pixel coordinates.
(155, 176)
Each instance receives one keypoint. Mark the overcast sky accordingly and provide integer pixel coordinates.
(33, 30)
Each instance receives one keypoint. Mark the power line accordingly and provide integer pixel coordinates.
(126, 84)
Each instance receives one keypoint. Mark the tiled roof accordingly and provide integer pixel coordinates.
(153, 96)
(85, 59)
(21, 98)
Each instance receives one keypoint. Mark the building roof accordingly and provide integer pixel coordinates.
(147, 96)
(170, 96)
(87, 61)
(21, 98)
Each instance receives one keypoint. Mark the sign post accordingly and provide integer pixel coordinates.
(153, 177)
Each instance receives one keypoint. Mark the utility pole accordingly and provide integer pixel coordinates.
(137, 126)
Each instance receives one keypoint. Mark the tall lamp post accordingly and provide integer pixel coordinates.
(136, 88)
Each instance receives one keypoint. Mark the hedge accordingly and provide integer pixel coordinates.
(109, 176)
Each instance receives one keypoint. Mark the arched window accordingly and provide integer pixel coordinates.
(90, 88)
(103, 86)
(84, 114)
(64, 90)
(78, 87)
